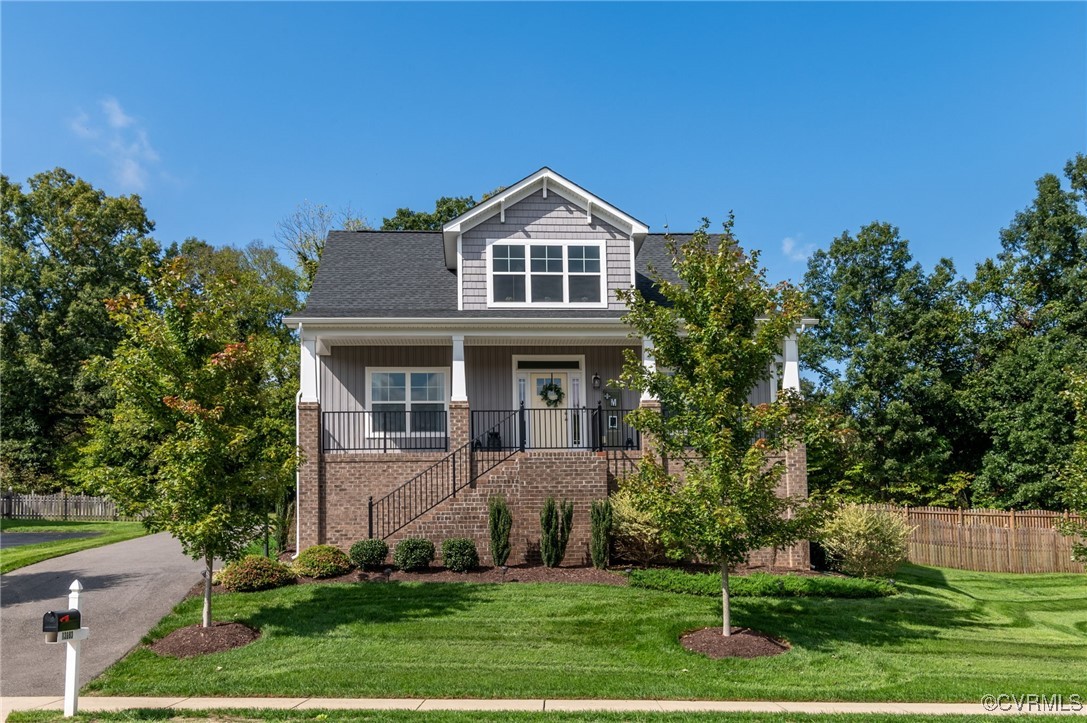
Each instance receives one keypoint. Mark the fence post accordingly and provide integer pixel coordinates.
(71, 667)
(370, 517)
(1013, 539)
(522, 430)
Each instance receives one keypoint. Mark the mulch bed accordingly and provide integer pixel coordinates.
(743, 643)
(196, 640)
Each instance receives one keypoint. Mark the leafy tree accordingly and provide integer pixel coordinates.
(201, 439)
(446, 208)
(65, 247)
(713, 340)
(1033, 299)
(302, 234)
(1074, 475)
(892, 351)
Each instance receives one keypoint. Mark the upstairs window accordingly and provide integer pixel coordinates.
(556, 273)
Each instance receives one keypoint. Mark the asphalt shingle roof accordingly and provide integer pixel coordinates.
(377, 274)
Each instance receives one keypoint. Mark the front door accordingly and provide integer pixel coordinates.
(548, 426)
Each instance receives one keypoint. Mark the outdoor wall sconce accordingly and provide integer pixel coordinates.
(596, 380)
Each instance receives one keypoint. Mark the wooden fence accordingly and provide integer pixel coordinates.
(61, 507)
(988, 540)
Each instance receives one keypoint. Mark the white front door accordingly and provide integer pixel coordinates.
(548, 425)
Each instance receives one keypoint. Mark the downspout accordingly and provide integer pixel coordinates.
(297, 468)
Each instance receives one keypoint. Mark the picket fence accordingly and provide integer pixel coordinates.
(61, 507)
(988, 540)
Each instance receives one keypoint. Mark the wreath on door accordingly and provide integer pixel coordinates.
(551, 394)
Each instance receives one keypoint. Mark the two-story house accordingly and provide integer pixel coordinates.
(440, 368)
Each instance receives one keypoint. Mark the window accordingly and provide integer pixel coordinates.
(407, 402)
(556, 273)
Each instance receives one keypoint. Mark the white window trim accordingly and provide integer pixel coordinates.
(565, 243)
(407, 371)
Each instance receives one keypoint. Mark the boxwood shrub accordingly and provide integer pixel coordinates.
(369, 554)
(759, 584)
(255, 572)
(322, 561)
(459, 554)
(413, 553)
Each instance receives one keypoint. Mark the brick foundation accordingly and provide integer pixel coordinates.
(334, 489)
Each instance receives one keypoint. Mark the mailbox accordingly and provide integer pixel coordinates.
(57, 622)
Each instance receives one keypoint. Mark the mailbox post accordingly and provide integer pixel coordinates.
(62, 626)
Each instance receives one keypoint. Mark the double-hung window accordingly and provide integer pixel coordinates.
(548, 273)
(407, 402)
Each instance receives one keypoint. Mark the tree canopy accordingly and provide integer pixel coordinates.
(65, 248)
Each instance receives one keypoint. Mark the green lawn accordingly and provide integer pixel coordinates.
(950, 636)
(236, 716)
(105, 533)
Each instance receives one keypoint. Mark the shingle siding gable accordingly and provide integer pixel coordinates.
(542, 219)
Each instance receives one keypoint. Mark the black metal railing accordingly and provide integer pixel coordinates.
(383, 431)
(593, 428)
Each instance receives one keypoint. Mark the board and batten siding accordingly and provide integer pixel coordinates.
(537, 218)
(343, 373)
(489, 371)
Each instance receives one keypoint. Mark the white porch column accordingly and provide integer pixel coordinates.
(791, 377)
(459, 392)
(308, 369)
(649, 363)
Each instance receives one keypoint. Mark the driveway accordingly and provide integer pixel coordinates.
(127, 588)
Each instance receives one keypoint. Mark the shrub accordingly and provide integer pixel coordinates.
(636, 536)
(413, 553)
(500, 521)
(459, 554)
(600, 533)
(759, 584)
(555, 523)
(322, 561)
(255, 572)
(865, 542)
(369, 554)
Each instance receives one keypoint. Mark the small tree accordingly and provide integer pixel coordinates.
(500, 522)
(717, 333)
(555, 523)
(201, 439)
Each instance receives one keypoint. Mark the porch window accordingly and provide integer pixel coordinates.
(556, 273)
(407, 402)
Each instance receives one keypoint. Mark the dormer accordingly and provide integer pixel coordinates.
(543, 243)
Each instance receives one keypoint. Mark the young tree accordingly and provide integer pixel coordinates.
(201, 441)
(65, 246)
(714, 339)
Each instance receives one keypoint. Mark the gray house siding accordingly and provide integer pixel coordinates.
(489, 373)
(343, 373)
(539, 218)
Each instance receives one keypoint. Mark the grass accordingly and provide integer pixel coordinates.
(373, 716)
(948, 636)
(104, 533)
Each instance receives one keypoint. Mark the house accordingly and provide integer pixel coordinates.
(441, 368)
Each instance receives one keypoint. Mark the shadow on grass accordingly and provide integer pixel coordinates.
(825, 624)
(320, 609)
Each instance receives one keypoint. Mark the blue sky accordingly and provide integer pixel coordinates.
(805, 119)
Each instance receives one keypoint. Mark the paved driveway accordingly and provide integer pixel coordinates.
(127, 588)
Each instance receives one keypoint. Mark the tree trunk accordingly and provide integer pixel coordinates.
(207, 590)
(726, 624)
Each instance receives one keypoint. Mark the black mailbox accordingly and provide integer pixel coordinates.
(60, 621)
